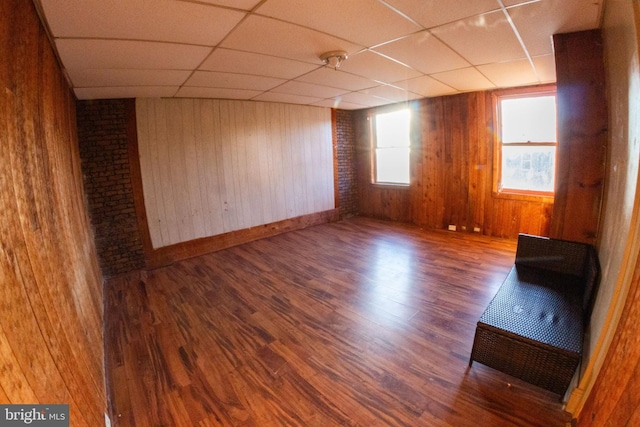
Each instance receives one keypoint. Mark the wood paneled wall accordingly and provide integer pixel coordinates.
(582, 135)
(51, 336)
(614, 397)
(211, 166)
(451, 173)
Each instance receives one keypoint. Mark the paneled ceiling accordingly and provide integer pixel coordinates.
(269, 50)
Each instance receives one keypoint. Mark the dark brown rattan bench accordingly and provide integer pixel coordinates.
(533, 328)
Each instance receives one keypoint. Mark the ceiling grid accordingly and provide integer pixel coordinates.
(269, 50)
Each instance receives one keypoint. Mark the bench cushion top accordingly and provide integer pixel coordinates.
(540, 306)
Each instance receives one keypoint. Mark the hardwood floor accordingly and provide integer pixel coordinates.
(360, 322)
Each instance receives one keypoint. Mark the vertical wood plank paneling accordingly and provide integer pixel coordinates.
(436, 168)
(293, 198)
(236, 143)
(330, 177)
(210, 168)
(276, 138)
(240, 164)
(263, 157)
(170, 221)
(582, 135)
(231, 165)
(293, 130)
(229, 185)
(205, 189)
(153, 175)
(177, 166)
(259, 187)
(309, 160)
(51, 343)
(193, 152)
(245, 166)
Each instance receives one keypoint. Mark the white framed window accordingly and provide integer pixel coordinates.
(526, 141)
(391, 146)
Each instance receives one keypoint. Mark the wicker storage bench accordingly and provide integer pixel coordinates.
(533, 328)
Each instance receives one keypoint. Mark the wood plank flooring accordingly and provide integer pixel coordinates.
(355, 323)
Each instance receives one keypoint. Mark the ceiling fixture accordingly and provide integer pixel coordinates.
(334, 58)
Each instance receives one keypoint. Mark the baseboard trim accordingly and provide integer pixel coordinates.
(169, 254)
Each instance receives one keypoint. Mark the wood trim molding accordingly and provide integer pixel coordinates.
(496, 96)
(169, 254)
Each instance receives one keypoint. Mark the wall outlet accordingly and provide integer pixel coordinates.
(476, 229)
(452, 227)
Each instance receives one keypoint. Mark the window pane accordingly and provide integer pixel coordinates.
(392, 129)
(528, 168)
(392, 165)
(529, 119)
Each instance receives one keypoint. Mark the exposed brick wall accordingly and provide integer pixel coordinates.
(346, 151)
(102, 136)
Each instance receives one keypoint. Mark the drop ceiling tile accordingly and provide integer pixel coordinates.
(509, 3)
(391, 93)
(125, 92)
(218, 93)
(467, 79)
(376, 67)
(426, 86)
(164, 20)
(431, 13)
(272, 37)
(232, 81)
(546, 68)
(326, 76)
(536, 22)
(235, 61)
(92, 53)
(104, 46)
(286, 98)
(92, 77)
(482, 39)
(236, 4)
(360, 98)
(510, 74)
(338, 103)
(365, 22)
(423, 52)
(301, 88)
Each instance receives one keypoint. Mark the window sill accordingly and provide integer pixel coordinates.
(539, 198)
(389, 186)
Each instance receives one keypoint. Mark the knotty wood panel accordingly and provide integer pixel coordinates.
(582, 135)
(451, 173)
(358, 322)
(51, 341)
(211, 166)
(455, 183)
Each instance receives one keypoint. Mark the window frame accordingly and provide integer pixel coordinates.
(510, 193)
(373, 145)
